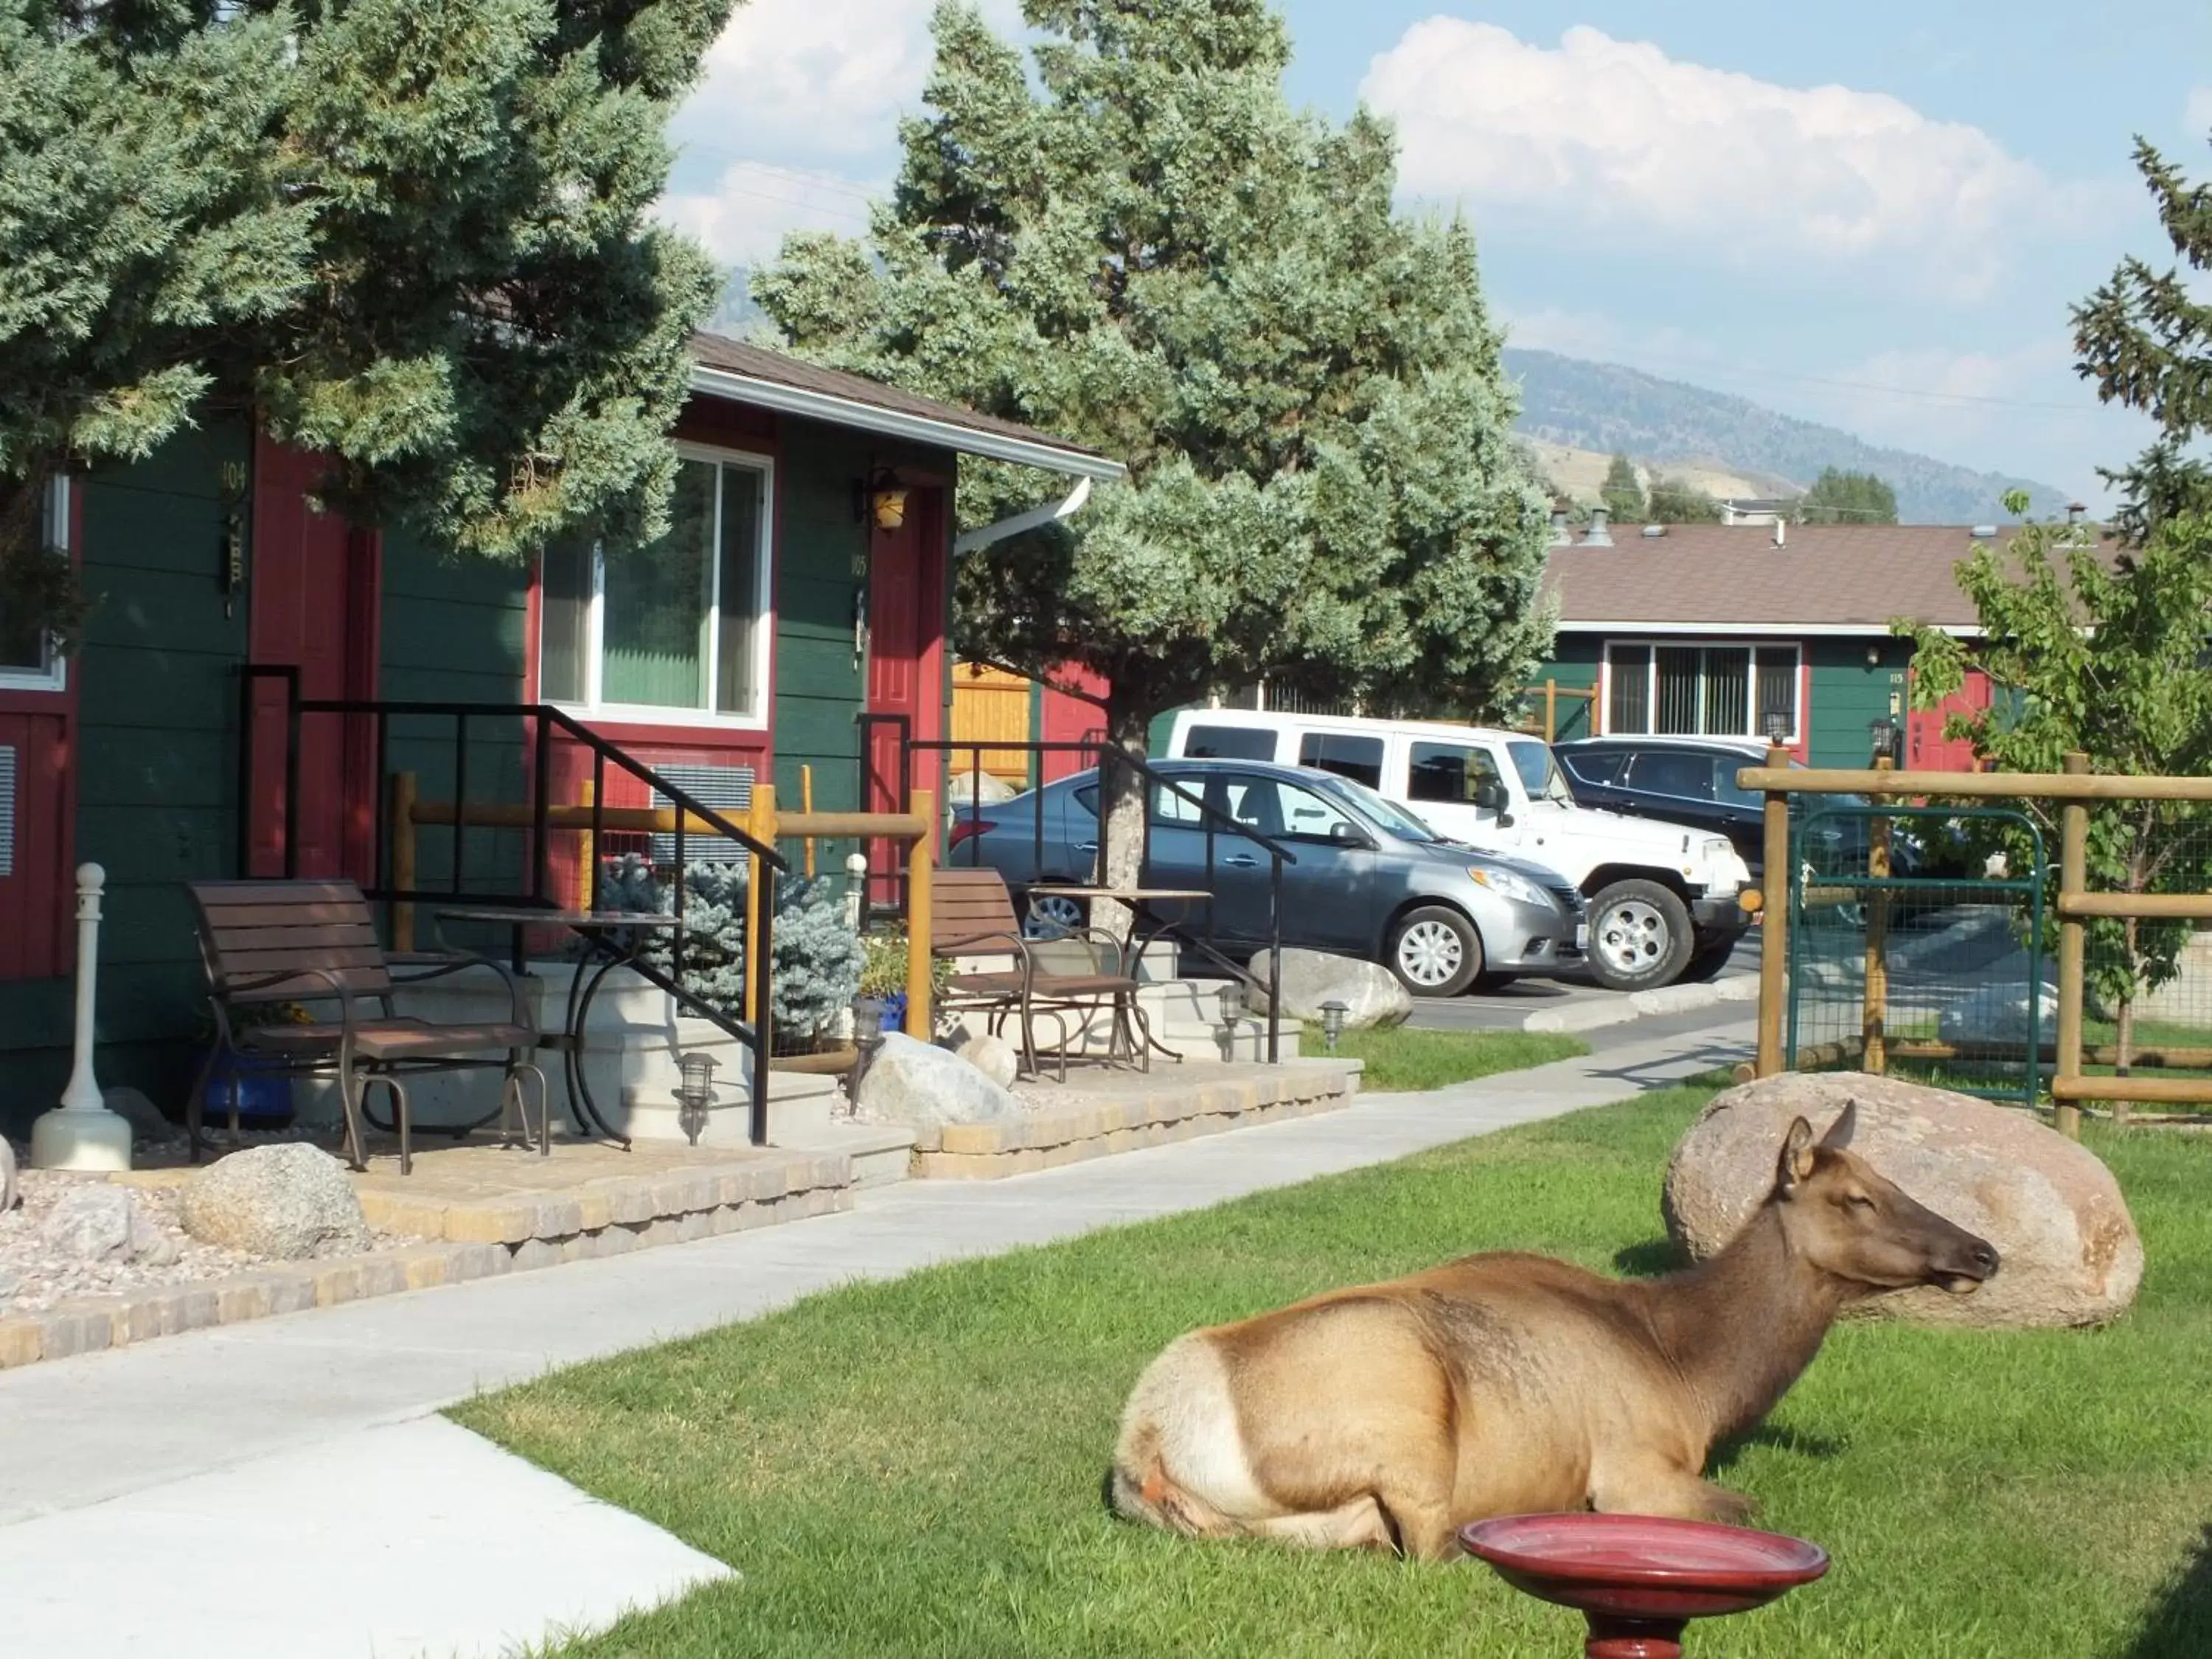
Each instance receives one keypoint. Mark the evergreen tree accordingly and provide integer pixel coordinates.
(413, 237)
(1623, 492)
(1146, 250)
(2145, 340)
(1674, 501)
(1847, 498)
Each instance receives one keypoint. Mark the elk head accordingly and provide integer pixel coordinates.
(1842, 1218)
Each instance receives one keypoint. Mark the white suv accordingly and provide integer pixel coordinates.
(1663, 897)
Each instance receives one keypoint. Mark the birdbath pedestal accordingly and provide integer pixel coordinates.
(1638, 1579)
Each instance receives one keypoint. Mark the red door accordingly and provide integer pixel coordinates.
(906, 667)
(1926, 747)
(314, 607)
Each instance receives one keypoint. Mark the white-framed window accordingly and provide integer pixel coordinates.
(29, 658)
(677, 630)
(1665, 687)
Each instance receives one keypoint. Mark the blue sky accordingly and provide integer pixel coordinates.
(1875, 216)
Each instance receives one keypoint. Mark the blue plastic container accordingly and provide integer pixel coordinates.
(262, 1092)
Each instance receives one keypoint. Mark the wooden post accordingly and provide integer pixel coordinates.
(1774, 923)
(1551, 711)
(760, 825)
(919, 957)
(807, 804)
(405, 788)
(587, 851)
(1873, 1054)
(2073, 878)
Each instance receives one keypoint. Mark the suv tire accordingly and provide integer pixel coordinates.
(1639, 937)
(1435, 952)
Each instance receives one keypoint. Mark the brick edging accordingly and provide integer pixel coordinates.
(88, 1323)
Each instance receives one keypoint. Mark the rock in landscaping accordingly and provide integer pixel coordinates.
(1998, 1013)
(285, 1201)
(912, 1082)
(1369, 992)
(994, 1056)
(2071, 1254)
(89, 1223)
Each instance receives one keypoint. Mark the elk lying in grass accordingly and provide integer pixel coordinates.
(1392, 1414)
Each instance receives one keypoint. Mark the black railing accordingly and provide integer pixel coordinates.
(1104, 756)
(547, 725)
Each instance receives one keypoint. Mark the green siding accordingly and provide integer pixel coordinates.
(1573, 667)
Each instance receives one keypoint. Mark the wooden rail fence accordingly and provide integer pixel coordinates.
(2075, 789)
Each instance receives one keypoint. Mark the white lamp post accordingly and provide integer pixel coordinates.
(82, 1134)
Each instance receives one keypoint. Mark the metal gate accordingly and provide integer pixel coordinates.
(1916, 947)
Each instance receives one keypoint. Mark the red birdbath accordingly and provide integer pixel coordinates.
(1639, 1578)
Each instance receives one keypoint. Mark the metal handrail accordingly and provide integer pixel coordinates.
(604, 751)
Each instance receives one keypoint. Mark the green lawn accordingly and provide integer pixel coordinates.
(1402, 1058)
(913, 1467)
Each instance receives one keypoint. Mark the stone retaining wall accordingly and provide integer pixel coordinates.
(461, 1241)
(1152, 1115)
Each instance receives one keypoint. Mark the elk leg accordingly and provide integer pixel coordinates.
(1356, 1525)
(1656, 1488)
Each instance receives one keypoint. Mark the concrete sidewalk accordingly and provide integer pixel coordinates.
(271, 1401)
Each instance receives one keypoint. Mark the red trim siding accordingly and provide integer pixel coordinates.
(36, 939)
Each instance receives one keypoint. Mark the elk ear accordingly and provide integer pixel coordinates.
(1839, 1132)
(1796, 1156)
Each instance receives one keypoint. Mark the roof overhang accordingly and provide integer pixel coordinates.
(897, 424)
(1784, 629)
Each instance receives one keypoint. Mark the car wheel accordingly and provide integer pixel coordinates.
(1435, 952)
(1051, 915)
(1639, 936)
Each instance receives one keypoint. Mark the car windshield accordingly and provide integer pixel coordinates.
(1386, 814)
(1540, 774)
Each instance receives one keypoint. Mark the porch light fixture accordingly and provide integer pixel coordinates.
(867, 1021)
(695, 1095)
(1775, 723)
(1332, 1023)
(881, 500)
(1232, 1005)
(1882, 735)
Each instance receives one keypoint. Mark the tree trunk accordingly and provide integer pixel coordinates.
(2125, 1039)
(1121, 815)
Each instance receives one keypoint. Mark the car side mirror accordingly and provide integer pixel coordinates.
(1344, 834)
(1489, 795)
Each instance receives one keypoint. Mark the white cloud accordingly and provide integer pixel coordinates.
(744, 215)
(2196, 112)
(818, 79)
(1614, 137)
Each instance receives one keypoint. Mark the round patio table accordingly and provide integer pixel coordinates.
(612, 939)
(1139, 901)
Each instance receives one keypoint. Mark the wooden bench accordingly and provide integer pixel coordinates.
(971, 914)
(312, 942)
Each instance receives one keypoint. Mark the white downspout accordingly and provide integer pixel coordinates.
(1051, 512)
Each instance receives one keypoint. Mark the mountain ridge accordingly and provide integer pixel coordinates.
(1613, 408)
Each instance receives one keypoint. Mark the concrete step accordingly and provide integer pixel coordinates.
(880, 1153)
(800, 1107)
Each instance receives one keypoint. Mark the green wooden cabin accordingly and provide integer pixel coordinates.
(807, 583)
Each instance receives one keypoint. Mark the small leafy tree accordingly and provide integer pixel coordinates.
(1622, 491)
(1143, 248)
(414, 239)
(1675, 501)
(817, 958)
(1847, 498)
(2106, 656)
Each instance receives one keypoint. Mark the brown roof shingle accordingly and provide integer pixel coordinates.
(1823, 576)
(757, 363)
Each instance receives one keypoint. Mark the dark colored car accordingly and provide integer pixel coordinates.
(1693, 780)
(1370, 880)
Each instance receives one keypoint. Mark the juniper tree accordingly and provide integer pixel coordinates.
(1146, 250)
(1623, 491)
(412, 237)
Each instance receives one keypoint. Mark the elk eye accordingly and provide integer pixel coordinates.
(1859, 1202)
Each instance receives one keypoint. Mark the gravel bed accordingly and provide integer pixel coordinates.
(35, 1274)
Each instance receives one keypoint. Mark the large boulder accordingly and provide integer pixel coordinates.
(2071, 1254)
(994, 1056)
(1371, 993)
(977, 789)
(908, 1081)
(287, 1202)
